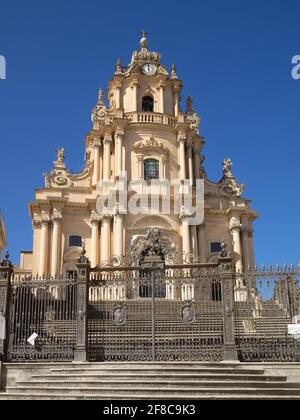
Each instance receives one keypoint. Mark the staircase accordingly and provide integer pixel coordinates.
(144, 381)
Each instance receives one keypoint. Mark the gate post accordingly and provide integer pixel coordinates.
(227, 277)
(6, 270)
(83, 265)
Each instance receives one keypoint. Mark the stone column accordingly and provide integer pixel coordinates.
(176, 100)
(119, 104)
(118, 235)
(245, 243)
(202, 243)
(107, 158)
(56, 243)
(95, 222)
(197, 163)
(134, 87)
(140, 160)
(96, 174)
(119, 152)
(181, 141)
(186, 237)
(240, 289)
(251, 246)
(162, 97)
(190, 160)
(194, 241)
(164, 161)
(44, 245)
(105, 238)
(235, 227)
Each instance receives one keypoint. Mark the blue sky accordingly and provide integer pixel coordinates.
(233, 56)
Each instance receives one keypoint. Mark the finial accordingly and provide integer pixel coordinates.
(118, 67)
(6, 262)
(144, 40)
(101, 97)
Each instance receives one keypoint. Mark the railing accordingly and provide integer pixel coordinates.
(150, 117)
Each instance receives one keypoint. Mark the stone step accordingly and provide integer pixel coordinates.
(157, 392)
(50, 384)
(156, 370)
(142, 397)
(158, 378)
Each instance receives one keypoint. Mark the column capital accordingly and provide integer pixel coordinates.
(36, 221)
(140, 157)
(107, 139)
(97, 143)
(106, 218)
(182, 137)
(120, 132)
(45, 218)
(134, 83)
(235, 224)
(161, 85)
(56, 216)
(95, 217)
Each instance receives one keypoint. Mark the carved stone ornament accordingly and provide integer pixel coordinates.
(188, 313)
(119, 315)
(229, 184)
(152, 246)
(100, 111)
(151, 145)
(59, 176)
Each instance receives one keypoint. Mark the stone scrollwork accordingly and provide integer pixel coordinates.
(59, 177)
(150, 145)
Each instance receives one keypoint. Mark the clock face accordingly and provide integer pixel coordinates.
(149, 69)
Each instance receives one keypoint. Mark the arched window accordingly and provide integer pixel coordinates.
(151, 169)
(75, 240)
(148, 104)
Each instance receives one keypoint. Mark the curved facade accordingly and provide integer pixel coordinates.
(144, 133)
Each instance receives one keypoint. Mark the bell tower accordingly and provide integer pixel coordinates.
(145, 85)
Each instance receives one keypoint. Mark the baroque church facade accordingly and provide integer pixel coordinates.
(143, 132)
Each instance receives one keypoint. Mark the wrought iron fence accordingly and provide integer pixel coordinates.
(45, 311)
(267, 302)
(201, 312)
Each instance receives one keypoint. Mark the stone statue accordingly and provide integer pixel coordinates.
(189, 105)
(48, 180)
(227, 167)
(60, 156)
(224, 253)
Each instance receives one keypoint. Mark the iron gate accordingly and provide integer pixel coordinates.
(45, 311)
(176, 314)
